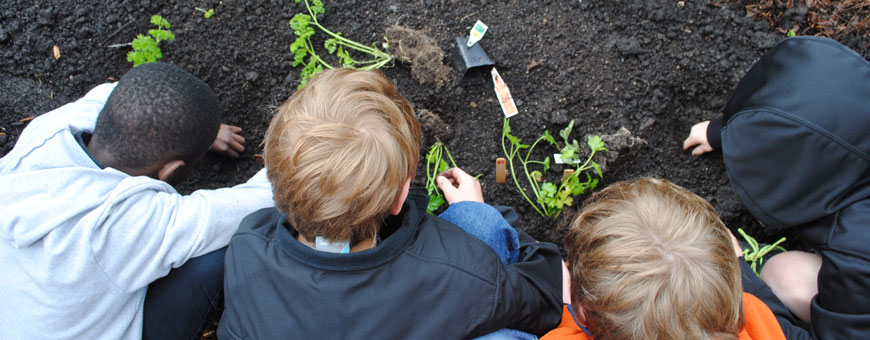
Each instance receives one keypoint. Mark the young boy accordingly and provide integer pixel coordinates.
(349, 251)
(90, 219)
(651, 260)
(794, 139)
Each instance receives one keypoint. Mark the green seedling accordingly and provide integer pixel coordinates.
(551, 199)
(755, 255)
(146, 48)
(303, 27)
(207, 14)
(435, 164)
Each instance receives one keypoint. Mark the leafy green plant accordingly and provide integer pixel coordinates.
(435, 164)
(755, 255)
(146, 48)
(303, 27)
(550, 198)
(207, 14)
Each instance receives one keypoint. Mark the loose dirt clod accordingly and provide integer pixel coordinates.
(619, 144)
(433, 125)
(415, 47)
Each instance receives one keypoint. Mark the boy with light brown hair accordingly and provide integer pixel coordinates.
(651, 260)
(349, 251)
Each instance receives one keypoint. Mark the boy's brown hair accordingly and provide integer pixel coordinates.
(651, 260)
(338, 153)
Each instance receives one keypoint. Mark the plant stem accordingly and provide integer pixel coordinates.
(510, 159)
(452, 162)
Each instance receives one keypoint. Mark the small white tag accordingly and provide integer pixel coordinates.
(558, 158)
(505, 100)
(323, 244)
(476, 33)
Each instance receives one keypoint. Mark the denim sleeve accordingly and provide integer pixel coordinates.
(487, 224)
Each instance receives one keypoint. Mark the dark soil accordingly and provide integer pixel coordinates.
(654, 67)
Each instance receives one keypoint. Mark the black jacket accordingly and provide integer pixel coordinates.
(795, 139)
(427, 279)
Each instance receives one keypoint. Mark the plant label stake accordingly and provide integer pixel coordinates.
(476, 33)
(505, 100)
(500, 170)
(567, 173)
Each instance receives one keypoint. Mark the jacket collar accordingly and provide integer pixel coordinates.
(398, 232)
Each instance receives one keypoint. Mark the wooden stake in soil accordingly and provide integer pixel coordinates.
(500, 170)
(567, 173)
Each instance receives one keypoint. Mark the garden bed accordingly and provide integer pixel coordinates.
(653, 67)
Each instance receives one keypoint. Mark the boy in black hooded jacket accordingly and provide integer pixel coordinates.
(795, 139)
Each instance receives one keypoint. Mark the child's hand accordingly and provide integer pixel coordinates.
(229, 141)
(458, 186)
(698, 136)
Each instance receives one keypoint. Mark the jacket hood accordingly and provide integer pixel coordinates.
(63, 188)
(796, 132)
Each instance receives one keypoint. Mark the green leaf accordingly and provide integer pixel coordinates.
(209, 13)
(330, 45)
(344, 58)
(596, 143)
(537, 175)
(442, 167)
(514, 140)
(432, 156)
(567, 154)
(546, 163)
(162, 35)
(597, 169)
(142, 42)
(548, 137)
(299, 24)
(548, 189)
(160, 22)
(566, 132)
(435, 202)
(145, 50)
(317, 7)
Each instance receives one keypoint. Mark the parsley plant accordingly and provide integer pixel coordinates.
(145, 48)
(303, 26)
(550, 198)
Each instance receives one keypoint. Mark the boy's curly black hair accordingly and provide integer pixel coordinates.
(158, 112)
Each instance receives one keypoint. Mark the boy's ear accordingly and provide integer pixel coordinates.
(170, 171)
(581, 314)
(397, 206)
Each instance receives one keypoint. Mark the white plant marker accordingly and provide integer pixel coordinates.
(476, 33)
(504, 95)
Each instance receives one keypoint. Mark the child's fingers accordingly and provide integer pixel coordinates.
(236, 146)
(450, 192)
(458, 175)
(238, 138)
(689, 142)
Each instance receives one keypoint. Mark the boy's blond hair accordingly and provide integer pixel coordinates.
(651, 260)
(338, 153)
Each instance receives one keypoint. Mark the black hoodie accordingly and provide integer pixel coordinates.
(795, 139)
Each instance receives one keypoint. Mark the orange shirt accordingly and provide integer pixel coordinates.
(760, 324)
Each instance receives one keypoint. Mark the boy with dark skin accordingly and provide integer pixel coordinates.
(96, 243)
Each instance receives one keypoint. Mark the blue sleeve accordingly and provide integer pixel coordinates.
(487, 224)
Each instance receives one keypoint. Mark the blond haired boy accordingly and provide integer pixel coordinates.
(349, 251)
(651, 260)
